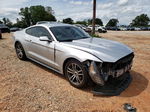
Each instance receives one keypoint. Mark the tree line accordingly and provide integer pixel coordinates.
(139, 21)
(31, 15)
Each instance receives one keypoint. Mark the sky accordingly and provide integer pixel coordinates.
(123, 10)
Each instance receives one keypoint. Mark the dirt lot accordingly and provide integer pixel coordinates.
(29, 87)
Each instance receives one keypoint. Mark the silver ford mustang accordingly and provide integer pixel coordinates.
(72, 52)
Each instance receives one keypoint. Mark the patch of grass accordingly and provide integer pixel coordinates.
(95, 35)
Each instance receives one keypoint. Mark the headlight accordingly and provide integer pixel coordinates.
(95, 74)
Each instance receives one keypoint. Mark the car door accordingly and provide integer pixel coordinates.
(42, 51)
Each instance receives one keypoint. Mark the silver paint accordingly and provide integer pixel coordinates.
(54, 54)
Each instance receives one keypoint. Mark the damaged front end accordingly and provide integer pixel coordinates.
(101, 72)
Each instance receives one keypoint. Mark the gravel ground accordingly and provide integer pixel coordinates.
(28, 87)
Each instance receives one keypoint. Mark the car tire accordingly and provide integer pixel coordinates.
(0, 35)
(104, 31)
(76, 74)
(99, 30)
(20, 51)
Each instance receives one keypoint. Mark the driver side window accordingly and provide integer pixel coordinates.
(41, 31)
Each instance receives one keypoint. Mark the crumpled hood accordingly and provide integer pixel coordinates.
(106, 50)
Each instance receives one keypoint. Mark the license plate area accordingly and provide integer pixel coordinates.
(122, 71)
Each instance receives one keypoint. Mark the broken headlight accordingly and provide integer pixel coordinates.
(94, 73)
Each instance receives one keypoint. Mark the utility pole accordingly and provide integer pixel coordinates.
(94, 16)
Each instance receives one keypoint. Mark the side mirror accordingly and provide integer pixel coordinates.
(45, 38)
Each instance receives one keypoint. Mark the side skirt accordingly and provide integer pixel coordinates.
(46, 66)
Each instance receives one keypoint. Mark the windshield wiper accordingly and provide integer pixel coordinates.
(84, 37)
(68, 40)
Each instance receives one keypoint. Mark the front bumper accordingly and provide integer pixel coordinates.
(100, 72)
(114, 86)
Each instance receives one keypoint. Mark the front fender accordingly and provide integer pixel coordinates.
(83, 56)
(67, 53)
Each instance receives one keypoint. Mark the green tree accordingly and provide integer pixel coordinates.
(4, 20)
(112, 22)
(81, 22)
(49, 10)
(33, 14)
(68, 21)
(141, 20)
(7, 22)
(38, 13)
(98, 21)
(26, 16)
(1, 22)
(20, 24)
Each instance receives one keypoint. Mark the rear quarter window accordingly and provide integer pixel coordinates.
(32, 31)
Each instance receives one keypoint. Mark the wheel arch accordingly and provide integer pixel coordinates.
(85, 66)
(82, 59)
(68, 59)
(17, 42)
(86, 62)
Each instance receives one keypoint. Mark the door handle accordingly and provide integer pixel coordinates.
(28, 40)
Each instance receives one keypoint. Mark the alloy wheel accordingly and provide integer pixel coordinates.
(75, 74)
(19, 51)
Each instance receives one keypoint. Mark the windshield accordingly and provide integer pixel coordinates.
(68, 33)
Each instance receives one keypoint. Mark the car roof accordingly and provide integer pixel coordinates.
(53, 24)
